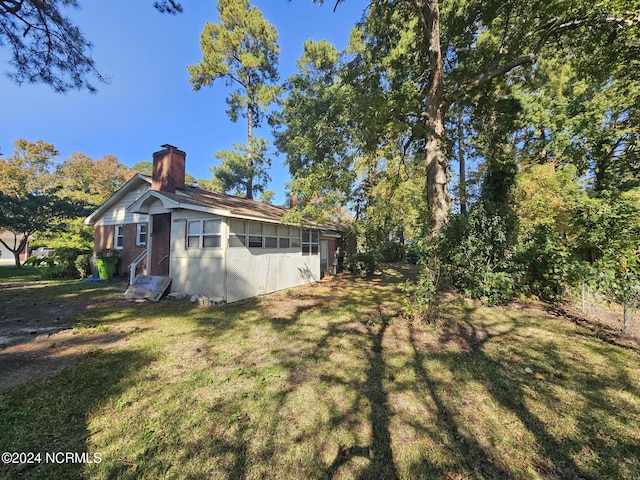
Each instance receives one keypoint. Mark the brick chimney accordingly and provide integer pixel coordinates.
(168, 169)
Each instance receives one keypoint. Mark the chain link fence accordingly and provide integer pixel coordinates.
(618, 311)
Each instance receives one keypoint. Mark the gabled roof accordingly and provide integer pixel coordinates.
(132, 184)
(199, 199)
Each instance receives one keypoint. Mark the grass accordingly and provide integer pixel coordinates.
(329, 381)
(26, 284)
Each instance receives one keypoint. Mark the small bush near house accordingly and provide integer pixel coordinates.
(64, 263)
(361, 263)
(82, 264)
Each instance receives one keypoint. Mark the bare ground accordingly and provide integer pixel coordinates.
(38, 339)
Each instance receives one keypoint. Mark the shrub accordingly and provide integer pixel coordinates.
(82, 264)
(64, 263)
(421, 295)
(546, 262)
(361, 263)
(477, 252)
(391, 251)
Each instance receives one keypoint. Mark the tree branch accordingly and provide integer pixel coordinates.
(486, 77)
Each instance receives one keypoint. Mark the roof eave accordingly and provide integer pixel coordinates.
(91, 219)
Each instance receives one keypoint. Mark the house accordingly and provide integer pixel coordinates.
(208, 243)
(6, 255)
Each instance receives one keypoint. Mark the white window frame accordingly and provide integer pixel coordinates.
(311, 246)
(118, 237)
(199, 235)
(253, 233)
(286, 237)
(237, 237)
(139, 233)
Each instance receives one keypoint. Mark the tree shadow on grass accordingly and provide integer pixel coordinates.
(379, 453)
(51, 416)
(550, 370)
(468, 450)
(347, 309)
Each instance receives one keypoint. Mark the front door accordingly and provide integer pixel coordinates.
(160, 244)
(324, 256)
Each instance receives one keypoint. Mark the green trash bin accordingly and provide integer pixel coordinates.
(106, 267)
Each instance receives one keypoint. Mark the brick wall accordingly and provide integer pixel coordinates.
(103, 238)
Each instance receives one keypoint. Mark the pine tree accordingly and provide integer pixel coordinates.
(242, 50)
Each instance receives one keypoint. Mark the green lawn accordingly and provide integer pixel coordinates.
(329, 381)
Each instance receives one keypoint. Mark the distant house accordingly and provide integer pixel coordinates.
(6, 255)
(208, 243)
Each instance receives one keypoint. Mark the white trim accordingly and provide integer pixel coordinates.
(201, 235)
(116, 229)
(136, 179)
(139, 233)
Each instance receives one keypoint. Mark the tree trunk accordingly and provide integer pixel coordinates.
(16, 250)
(249, 182)
(436, 193)
(463, 164)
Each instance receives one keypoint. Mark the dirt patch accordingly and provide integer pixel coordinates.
(37, 338)
(47, 354)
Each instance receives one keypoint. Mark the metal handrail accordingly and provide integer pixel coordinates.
(133, 265)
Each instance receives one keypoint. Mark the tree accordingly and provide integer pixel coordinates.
(46, 47)
(314, 131)
(242, 50)
(29, 169)
(32, 180)
(91, 181)
(26, 215)
(450, 51)
(267, 196)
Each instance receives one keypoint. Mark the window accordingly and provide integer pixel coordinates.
(310, 242)
(255, 235)
(118, 238)
(295, 237)
(283, 237)
(204, 233)
(237, 233)
(262, 235)
(270, 236)
(141, 234)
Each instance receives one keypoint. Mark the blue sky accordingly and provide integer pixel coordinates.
(150, 100)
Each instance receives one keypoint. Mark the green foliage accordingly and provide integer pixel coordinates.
(421, 295)
(46, 199)
(547, 262)
(611, 228)
(363, 263)
(82, 264)
(392, 251)
(29, 169)
(477, 253)
(242, 50)
(90, 181)
(64, 263)
(26, 215)
(245, 169)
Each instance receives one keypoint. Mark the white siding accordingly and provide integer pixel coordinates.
(197, 271)
(252, 272)
(117, 214)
